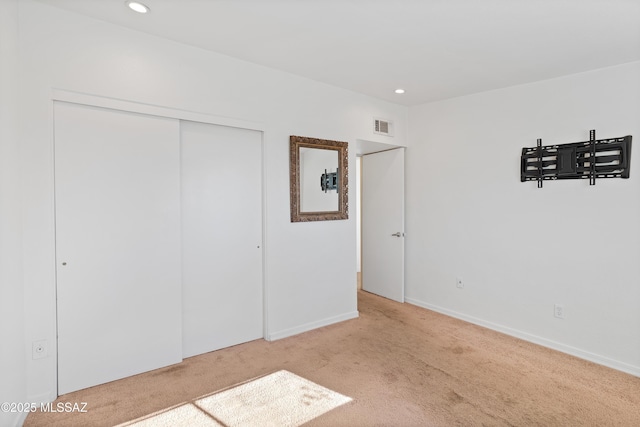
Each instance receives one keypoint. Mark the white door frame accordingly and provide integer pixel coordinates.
(161, 111)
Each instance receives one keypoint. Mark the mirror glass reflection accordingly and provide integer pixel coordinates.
(318, 180)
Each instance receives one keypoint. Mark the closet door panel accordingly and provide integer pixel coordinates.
(221, 236)
(117, 184)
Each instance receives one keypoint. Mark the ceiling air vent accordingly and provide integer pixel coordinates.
(383, 127)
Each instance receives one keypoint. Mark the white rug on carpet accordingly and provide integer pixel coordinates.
(281, 399)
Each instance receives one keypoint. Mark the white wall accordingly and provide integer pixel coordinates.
(12, 348)
(67, 51)
(520, 249)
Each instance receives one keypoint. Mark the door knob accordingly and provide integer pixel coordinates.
(398, 234)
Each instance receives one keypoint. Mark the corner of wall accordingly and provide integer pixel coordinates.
(12, 336)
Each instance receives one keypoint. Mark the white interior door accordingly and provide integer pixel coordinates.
(117, 190)
(221, 236)
(383, 223)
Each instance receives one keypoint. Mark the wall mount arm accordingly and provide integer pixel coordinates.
(595, 158)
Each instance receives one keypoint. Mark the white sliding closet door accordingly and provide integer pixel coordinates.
(117, 194)
(221, 236)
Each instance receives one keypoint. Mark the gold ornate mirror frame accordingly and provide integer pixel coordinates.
(295, 144)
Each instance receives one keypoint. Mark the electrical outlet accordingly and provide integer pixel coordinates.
(558, 311)
(39, 349)
(459, 282)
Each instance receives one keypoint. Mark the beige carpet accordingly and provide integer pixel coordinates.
(281, 399)
(402, 366)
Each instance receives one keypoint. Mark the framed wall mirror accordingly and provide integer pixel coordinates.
(319, 179)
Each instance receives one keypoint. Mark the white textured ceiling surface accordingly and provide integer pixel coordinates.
(434, 49)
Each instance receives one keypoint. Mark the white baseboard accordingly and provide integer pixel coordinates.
(582, 354)
(310, 326)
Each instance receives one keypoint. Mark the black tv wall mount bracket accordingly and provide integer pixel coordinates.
(595, 158)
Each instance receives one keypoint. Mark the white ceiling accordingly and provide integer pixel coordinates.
(435, 49)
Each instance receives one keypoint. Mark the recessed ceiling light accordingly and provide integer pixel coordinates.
(138, 7)
(399, 90)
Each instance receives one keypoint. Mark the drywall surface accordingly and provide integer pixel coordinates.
(12, 348)
(66, 51)
(518, 249)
